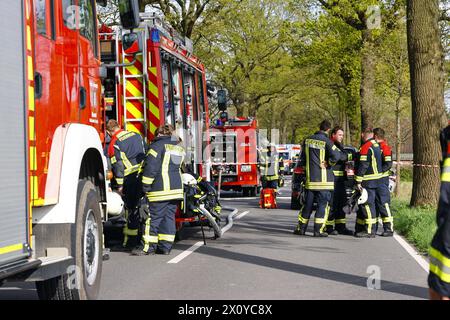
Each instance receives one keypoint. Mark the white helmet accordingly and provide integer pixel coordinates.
(364, 197)
(115, 204)
(188, 179)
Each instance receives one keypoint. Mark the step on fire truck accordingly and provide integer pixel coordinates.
(163, 84)
(234, 155)
(54, 193)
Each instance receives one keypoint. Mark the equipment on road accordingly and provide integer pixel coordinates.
(51, 105)
(268, 199)
(234, 155)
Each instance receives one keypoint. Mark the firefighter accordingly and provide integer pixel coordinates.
(272, 165)
(127, 152)
(163, 188)
(439, 277)
(368, 176)
(318, 156)
(336, 223)
(383, 196)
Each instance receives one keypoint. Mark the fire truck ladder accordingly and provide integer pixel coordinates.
(134, 80)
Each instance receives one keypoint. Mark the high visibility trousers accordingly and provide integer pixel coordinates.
(323, 199)
(382, 204)
(339, 200)
(132, 194)
(366, 218)
(159, 230)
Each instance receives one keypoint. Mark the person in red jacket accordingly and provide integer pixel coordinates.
(383, 196)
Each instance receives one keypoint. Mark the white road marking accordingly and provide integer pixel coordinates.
(242, 215)
(186, 253)
(413, 253)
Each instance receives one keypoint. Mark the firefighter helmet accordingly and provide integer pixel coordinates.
(188, 179)
(363, 197)
(115, 204)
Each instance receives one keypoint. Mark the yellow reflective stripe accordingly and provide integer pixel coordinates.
(439, 265)
(319, 221)
(302, 220)
(119, 181)
(374, 163)
(150, 240)
(363, 158)
(308, 173)
(327, 214)
(130, 232)
(338, 173)
(341, 221)
(320, 185)
(10, 249)
(330, 223)
(446, 171)
(147, 180)
(324, 171)
(113, 160)
(166, 237)
(165, 172)
(132, 170)
(271, 178)
(388, 159)
(387, 220)
(125, 160)
(360, 222)
(375, 176)
(334, 148)
(153, 153)
(369, 220)
(349, 157)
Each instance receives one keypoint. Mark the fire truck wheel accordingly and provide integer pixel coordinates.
(253, 192)
(82, 282)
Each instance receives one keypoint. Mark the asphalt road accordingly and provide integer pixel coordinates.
(260, 258)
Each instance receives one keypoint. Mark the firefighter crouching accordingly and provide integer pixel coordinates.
(368, 176)
(127, 151)
(163, 188)
(271, 167)
(336, 223)
(318, 155)
(439, 277)
(383, 196)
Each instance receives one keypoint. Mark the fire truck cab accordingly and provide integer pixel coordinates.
(54, 194)
(234, 154)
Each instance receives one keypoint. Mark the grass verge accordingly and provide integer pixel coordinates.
(417, 225)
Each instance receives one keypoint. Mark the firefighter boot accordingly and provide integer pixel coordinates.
(331, 231)
(139, 251)
(342, 229)
(301, 229)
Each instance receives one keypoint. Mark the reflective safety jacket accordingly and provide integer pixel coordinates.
(317, 150)
(386, 158)
(339, 167)
(161, 180)
(439, 277)
(271, 166)
(369, 169)
(127, 152)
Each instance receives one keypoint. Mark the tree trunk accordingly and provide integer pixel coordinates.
(367, 90)
(427, 94)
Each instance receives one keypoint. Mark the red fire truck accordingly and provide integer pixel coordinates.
(164, 83)
(54, 193)
(234, 155)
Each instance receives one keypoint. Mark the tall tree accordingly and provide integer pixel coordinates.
(427, 93)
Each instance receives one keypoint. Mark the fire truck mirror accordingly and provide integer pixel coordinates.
(129, 13)
(222, 99)
(131, 44)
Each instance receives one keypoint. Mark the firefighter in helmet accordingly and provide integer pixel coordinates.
(271, 166)
(163, 188)
(127, 152)
(318, 156)
(439, 277)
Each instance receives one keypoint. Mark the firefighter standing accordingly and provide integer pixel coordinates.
(368, 176)
(318, 155)
(336, 223)
(163, 188)
(127, 151)
(383, 197)
(439, 277)
(271, 166)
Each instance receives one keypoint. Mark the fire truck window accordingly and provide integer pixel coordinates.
(41, 17)
(202, 93)
(69, 14)
(87, 22)
(166, 91)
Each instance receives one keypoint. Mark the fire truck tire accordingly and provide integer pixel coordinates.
(83, 282)
(253, 191)
(245, 192)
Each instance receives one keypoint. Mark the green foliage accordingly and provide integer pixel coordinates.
(418, 225)
(406, 174)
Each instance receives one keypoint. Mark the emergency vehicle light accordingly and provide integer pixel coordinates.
(155, 36)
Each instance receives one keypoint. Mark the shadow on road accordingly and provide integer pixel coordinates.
(388, 286)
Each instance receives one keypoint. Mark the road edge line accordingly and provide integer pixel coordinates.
(186, 253)
(412, 252)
